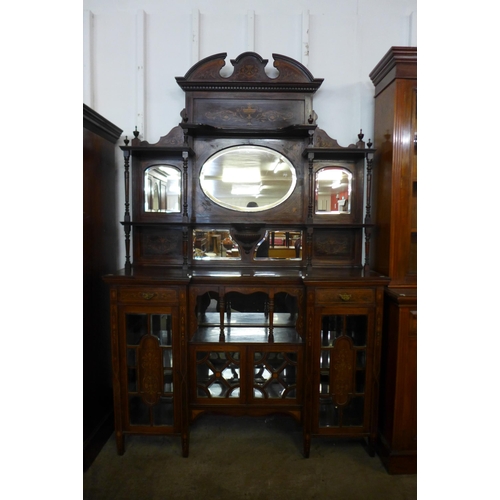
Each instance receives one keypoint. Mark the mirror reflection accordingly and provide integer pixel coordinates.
(214, 244)
(248, 178)
(217, 244)
(333, 191)
(162, 189)
(280, 245)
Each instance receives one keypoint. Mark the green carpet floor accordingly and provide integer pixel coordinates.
(242, 458)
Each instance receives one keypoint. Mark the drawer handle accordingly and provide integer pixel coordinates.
(148, 296)
(345, 296)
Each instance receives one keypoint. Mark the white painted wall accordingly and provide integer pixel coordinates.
(134, 49)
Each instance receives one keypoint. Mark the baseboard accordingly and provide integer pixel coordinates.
(94, 443)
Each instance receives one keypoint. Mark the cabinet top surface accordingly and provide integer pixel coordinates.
(269, 276)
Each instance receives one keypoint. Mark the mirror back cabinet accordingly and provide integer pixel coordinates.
(246, 286)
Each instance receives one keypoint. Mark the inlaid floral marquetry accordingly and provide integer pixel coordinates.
(325, 244)
(343, 363)
(147, 295)
(162, 244)
(150, 369)
(247, 113)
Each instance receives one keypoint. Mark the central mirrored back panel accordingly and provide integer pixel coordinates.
(248, 178)
(218, 244)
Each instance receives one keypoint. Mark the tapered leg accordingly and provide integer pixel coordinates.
(120, 442)
(307, 444)
(185, 445)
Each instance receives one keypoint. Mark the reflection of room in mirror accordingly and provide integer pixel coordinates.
(333, 190)
(214, 244)
(285, 245)
(162, 189)
(248, 178)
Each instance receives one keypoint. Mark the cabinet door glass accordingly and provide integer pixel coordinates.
(342, 370)
(218, 374)
(150, 361)
(275, 375)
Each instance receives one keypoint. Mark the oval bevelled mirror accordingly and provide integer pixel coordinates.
(162, 189)
(333, 190)
(248, 178)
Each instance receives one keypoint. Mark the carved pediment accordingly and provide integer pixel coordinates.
(174, 138)
(249, 69)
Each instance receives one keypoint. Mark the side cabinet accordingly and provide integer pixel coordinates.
(345, 335)
(149, 369)
(398, 402)
(100, 248)
(394, 252)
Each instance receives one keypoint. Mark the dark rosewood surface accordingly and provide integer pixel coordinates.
(248, 331)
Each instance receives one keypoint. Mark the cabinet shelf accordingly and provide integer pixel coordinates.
(151, 150)
(247, 319)
(337, 152)
(246, 335)
(202, 129)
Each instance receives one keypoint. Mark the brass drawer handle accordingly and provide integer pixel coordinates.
(345, 296)
(148, 296)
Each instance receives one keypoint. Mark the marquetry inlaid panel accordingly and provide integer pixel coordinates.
(343, 364)
(147, 295)
(345, 295)
(251, 113)
(150, 369)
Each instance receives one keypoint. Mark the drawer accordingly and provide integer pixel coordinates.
(327, 296)
(147, 295)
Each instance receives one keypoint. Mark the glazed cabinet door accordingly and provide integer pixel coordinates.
(147, 368)
(148, 372)
(246, 354)
(344, 359)
(344, 356)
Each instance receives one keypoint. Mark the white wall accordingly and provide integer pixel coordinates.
(134, 49)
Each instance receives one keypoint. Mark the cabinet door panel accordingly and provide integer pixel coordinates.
(343, 374)
(275, 375)
(148, 348)
(218, 374)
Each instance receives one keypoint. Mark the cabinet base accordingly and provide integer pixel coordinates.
(397, 462)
